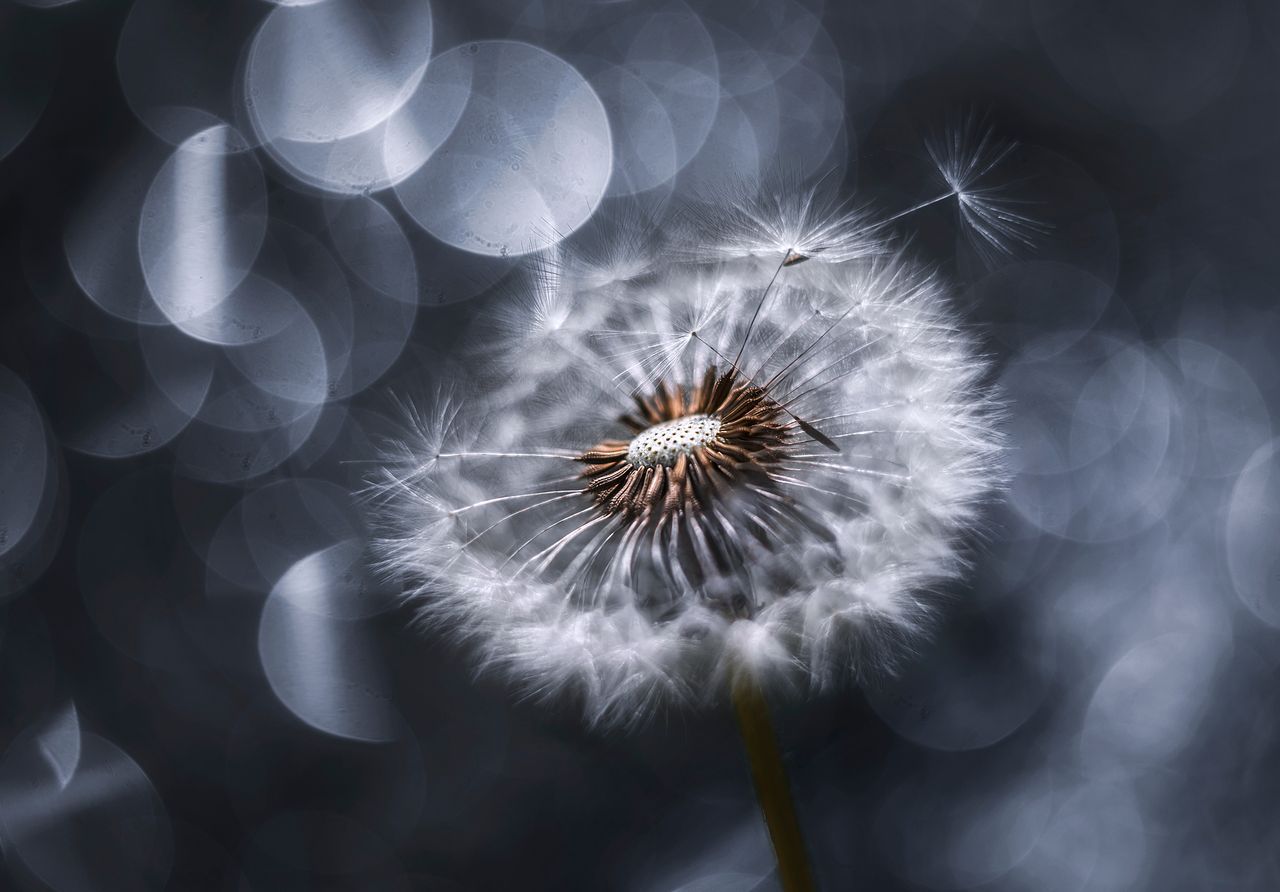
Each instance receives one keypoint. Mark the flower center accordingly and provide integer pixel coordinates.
(663, 443)
(688, 444)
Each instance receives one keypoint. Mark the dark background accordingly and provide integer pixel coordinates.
(1099, 712)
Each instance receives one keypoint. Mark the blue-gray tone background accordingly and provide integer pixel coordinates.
(229, 228)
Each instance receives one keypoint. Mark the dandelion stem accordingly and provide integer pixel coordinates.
(772, 789)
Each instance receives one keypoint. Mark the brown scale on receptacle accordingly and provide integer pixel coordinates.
(689, 447)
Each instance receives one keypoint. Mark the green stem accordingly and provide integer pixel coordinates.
(772, 789)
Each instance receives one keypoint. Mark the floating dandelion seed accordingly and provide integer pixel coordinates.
(741, 464)
(966, 154)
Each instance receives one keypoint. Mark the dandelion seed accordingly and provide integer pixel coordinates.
(994, 221)
(784, 220)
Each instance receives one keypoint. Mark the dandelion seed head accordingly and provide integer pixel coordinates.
(726, 461)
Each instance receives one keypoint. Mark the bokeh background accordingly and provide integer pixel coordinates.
(229, 229)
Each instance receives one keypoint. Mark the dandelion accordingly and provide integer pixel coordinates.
(736, 464)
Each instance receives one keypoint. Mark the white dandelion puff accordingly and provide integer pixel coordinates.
(712, 467)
